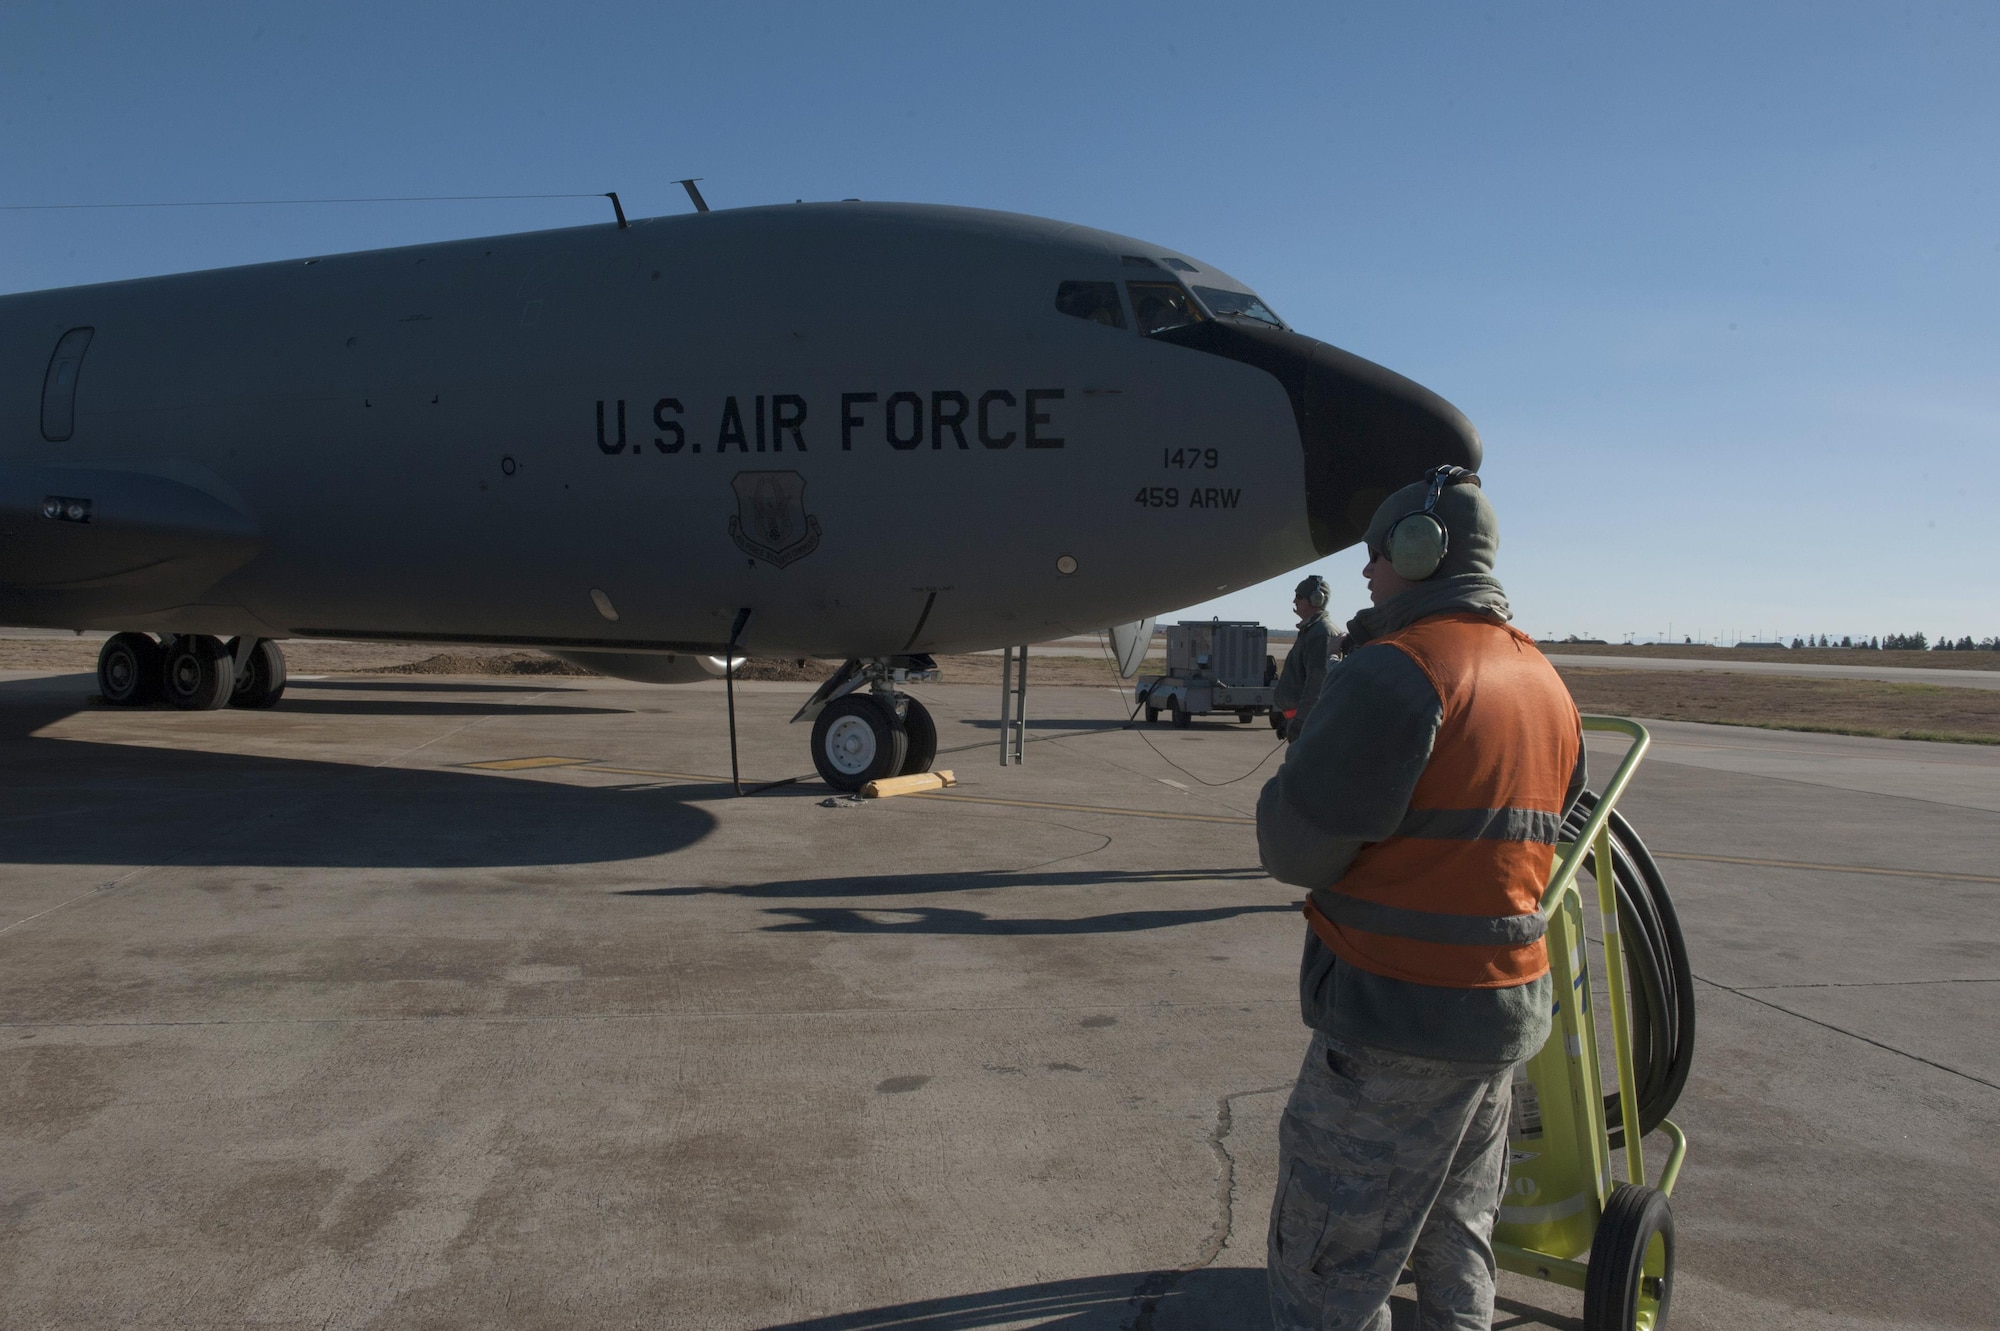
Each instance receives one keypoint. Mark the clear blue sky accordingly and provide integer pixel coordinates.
(1718, 283)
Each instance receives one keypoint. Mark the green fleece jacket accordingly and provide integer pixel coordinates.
(1346, 783)
(1304, 674)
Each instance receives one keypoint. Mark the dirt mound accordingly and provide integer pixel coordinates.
(506, 663)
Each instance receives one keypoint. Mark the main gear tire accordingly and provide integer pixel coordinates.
(260, 681)
(1629, 1283)
(128, 670)
(196, 674)
(857, 740)
(919, 736)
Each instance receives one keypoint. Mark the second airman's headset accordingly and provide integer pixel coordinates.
(1314, 591)
(1417, 542)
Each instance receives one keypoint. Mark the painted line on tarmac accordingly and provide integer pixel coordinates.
(1082, 808)
(586, 765)
(1829, 868)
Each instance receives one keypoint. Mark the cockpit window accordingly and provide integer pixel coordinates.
(1180, 265)
(1095, 301)
(1158, 305)
(1237, 305)
(1136, 261)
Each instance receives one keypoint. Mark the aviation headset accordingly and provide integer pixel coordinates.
(1314, 591)
(1417, 542)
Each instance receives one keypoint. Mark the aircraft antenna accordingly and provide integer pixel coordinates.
(700, 204)
(612, 195)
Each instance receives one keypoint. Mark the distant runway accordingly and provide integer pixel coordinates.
(467, 1003)
(1957, 679)
(1094, 645)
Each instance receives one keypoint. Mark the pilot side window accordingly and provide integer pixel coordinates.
(1095, 301)
(1158, 305)
(1238, 305)
(59, 385)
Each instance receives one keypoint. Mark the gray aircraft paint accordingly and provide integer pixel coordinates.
(406, 443)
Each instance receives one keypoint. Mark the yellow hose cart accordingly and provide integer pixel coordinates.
(1563, 1218)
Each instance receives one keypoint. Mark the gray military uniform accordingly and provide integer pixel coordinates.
(1392, 1148)
(1299, 683)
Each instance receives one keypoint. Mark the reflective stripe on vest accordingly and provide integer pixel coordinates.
(1452, 897)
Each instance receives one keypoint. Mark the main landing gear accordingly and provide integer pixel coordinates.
(193, 671)
(864, 730)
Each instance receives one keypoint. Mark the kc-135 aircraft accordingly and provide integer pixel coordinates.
(869, 432)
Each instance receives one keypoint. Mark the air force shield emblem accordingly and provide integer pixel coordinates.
(771, 521)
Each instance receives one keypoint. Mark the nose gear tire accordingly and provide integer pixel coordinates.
(920, 734)
(857, 740)
(1630, 1280)
(196, 674)
(128, 670)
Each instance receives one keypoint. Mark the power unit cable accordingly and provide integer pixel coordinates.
(1147, 697)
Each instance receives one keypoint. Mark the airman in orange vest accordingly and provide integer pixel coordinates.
(1419, 807)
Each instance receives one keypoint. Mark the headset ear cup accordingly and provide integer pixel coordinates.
(1417, 546)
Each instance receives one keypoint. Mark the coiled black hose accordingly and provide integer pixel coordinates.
(1656, 964)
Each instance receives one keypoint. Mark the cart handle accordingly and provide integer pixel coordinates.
(1606, 801)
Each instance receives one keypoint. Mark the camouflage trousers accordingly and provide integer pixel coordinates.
(1387, 1160)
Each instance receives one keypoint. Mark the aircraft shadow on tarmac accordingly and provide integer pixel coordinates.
(942, 920)
(1212, 1299)
(931, 884)
(946, 920)
(80, 802)
(402, 684)
(426, 707)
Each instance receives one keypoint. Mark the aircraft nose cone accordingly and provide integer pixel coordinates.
(1365, 431)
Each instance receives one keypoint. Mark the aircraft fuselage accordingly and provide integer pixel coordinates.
(871, 424)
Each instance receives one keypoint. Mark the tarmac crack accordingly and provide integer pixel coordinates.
(1145, 1300)
(1855, 1035)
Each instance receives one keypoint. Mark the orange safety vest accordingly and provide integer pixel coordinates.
(1453, 897)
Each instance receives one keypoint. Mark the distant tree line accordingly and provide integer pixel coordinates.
(1904, 642)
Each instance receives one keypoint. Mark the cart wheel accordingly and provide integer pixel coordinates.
(1183, 718)
(1244, 716)
(1152, 715)
(1630, 1280)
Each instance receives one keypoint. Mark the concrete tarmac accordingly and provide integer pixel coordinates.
(472, 1003)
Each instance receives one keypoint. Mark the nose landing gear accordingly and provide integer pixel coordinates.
(864, 730)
